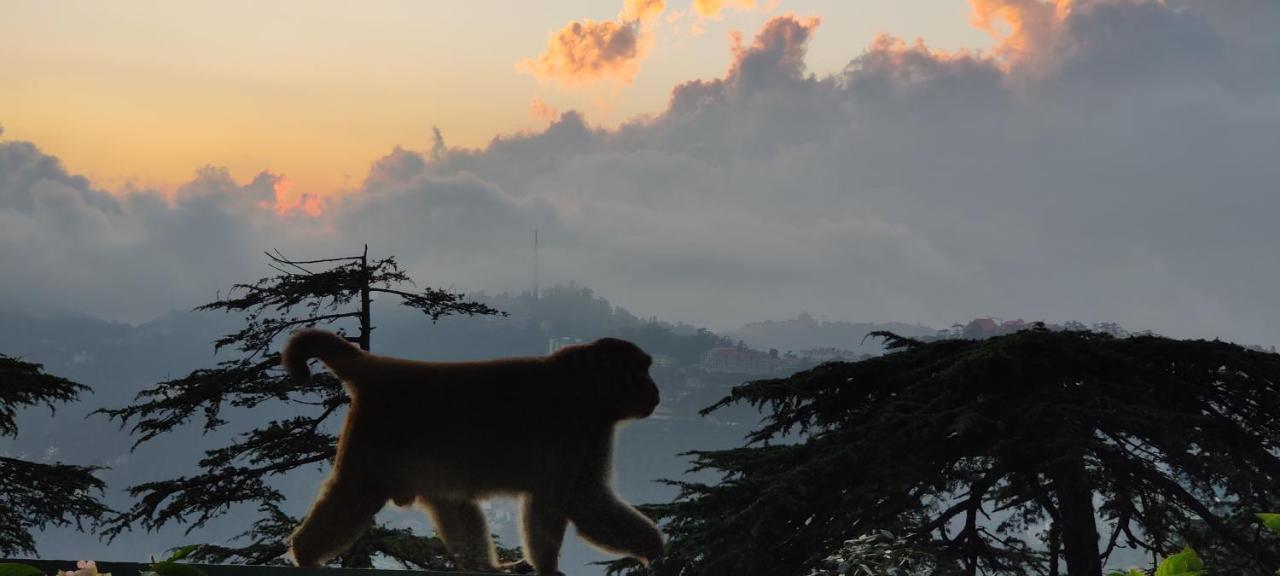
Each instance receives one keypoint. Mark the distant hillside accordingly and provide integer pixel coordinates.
(804, 332)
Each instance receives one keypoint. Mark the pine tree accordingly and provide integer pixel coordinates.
(301, 294)
(1012, 455)
(36, 495)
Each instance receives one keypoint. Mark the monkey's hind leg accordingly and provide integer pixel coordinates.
(465, 532)
(542, 526)
(609, 523)
(339, 516)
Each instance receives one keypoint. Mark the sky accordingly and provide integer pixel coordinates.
(710, 162)
(141, 94)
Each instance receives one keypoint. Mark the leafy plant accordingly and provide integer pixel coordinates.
(1271, 521)
(1184, 563)
(170, 566)
(9, 569)
(1188, 563)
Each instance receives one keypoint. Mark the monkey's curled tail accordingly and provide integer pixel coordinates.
(341, 356)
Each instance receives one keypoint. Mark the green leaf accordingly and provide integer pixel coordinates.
(167, 568)
(1129, 572)
(182, 552)
(1184, 563)
(19, 570)
(1270, 520)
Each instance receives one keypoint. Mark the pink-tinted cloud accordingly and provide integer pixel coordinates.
(543, 111)
(287, 201)
(588, 50)
(1026, 30)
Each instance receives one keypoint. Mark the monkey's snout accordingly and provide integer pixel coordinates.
(655, 400)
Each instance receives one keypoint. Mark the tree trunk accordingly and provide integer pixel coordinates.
(365, 328)
(1055, 549)
(1079, 528)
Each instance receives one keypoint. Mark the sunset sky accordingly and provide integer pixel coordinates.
(709, 161)
(144, 93)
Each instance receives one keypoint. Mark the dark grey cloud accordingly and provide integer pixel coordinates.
(66, 245)
(1116, 169)
(1113, 161)
(456, 228)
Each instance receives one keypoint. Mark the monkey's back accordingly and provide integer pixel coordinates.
(470, 429)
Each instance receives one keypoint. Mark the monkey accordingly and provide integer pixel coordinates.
(445, 436)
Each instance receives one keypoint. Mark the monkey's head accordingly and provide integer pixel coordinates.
(615, 373)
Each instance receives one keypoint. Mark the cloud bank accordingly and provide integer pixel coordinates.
(1108, 160)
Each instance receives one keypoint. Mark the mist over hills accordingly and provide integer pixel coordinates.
(805, 332)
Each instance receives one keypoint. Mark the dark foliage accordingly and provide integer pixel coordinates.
(36, 495)
(304, 293)
(265, 548)
(969, 446)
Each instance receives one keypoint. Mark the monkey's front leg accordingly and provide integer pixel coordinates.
(605, 521)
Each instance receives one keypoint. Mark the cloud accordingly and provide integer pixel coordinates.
(69, 245)
(1126, 176)
(779, 48)
(543, 111)
(776, 54)
(588, 50)
(642, 10)
(1026, 30)
(455, 226)
(936, 186)
(712, 8)
(285, 200)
